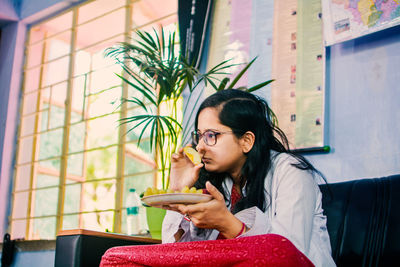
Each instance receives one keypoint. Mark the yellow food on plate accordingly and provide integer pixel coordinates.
(192, 154)
(154, 191)
(185, 190)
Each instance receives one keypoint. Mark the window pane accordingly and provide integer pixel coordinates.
(45, 201)
(55, 71)
(72, 198)
(31, 79)
(137, 161)
(34, 57)
(23, 177)
(20, 205)
(30, 100)
(76, 163)
(98, 195)
(25, 150)
(57, 115)
(51, 166)
(50, 144)
(101, 163)
(28, 125)
(167, 23)
(103, 131)
(36, 35)
(43, 228)
(45, 180)
(77, 137)
(53, 103)
(70, 222)
(98, 8)
(105, 78)
(57, 46)
(147, 11)
(98, 221)
(110, 25)
(82, 63)
(105, 93)
(57, 24)
(59, 94)
(18, 229)
(45, 98)
(80, 90)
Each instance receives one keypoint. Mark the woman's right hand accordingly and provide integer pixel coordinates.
(183, 171)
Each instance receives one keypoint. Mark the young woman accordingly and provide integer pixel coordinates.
(258, 186)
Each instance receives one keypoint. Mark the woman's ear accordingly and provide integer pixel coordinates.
(247, 141)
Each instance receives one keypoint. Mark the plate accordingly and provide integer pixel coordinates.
(175, 198)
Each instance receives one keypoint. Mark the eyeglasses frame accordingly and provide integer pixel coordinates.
(202, 136)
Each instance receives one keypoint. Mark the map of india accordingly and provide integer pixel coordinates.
(348, 19)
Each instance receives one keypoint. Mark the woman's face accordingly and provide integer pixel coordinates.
(227, 154)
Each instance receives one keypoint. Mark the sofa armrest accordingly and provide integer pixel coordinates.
(82, 247)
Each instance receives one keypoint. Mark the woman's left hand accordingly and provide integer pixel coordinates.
(212, 214)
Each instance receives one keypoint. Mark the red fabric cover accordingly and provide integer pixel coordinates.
(261, 250)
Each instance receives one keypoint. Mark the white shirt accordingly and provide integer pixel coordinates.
(295, 212)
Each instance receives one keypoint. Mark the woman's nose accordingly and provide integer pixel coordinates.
(200, 146)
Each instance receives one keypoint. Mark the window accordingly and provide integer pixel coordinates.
(74, 164)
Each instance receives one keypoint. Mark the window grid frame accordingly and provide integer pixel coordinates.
(121, 143)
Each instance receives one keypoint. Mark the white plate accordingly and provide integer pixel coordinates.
(175, 198)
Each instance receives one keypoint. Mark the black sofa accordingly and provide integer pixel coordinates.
(363, 223)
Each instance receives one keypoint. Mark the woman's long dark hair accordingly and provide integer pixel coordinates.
(242, 112)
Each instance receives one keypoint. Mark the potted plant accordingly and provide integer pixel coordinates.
(160, 75)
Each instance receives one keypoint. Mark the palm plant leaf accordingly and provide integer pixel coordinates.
(223, 84)
(149, 120)
(240, 74)
(258, 86)
(145, 92)
(168, 123)
(136, 101)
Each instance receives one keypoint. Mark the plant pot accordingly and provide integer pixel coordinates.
(155, 217)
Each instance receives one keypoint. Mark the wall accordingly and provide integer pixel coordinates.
(32, 11)
(363, 108)
(34, 258)
(11, 58)
(8, 11)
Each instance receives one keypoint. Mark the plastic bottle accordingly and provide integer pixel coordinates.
(132, 212)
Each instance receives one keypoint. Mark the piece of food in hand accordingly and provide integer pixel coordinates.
(192, 154)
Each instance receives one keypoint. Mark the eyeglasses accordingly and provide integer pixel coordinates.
(209, 137)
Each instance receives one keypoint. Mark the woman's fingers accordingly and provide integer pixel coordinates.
(174, 157)
(196, 171)
(179, 208)
(214, 191)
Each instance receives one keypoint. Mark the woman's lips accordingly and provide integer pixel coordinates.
(206, 160)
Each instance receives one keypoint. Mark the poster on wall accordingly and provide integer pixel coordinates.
(286, 38)
(348, 19)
